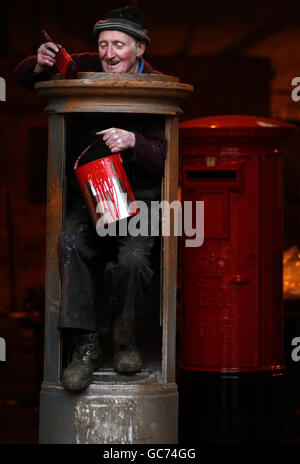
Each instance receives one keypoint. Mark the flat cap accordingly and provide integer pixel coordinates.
(127, 19)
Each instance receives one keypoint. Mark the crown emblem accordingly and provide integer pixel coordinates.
(212, 265)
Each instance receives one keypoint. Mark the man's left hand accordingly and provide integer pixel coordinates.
(118, 139)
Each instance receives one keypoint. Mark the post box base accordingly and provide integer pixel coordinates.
(109, 414)
(232, 408)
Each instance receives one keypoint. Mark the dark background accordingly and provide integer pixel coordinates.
(240, 56)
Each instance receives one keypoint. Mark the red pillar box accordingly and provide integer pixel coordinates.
(232, 319)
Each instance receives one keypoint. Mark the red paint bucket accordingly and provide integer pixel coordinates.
(106, 188)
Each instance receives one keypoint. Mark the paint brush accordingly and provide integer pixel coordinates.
(63, 60)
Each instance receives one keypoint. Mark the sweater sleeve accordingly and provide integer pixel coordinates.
(150, 148)
(24, 73)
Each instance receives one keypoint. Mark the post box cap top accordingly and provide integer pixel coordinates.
(235, 122)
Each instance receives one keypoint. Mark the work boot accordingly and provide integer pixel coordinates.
(127, 360)
(87, 357)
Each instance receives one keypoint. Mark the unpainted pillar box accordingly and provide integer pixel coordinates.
(114, 408)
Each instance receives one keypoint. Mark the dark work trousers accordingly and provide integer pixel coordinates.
(124, 279)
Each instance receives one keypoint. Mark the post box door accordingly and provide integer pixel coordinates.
(220, 296)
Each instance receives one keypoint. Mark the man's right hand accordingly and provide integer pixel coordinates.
(45, 56)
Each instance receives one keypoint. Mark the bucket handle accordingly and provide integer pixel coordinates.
(93, 144)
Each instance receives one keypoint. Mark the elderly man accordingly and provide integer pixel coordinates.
(122, 39)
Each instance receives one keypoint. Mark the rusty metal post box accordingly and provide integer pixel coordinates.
(114, 409)
(232, 320)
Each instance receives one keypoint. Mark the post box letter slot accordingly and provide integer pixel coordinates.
(211, 176)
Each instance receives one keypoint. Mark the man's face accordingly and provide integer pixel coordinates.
(119, 52)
